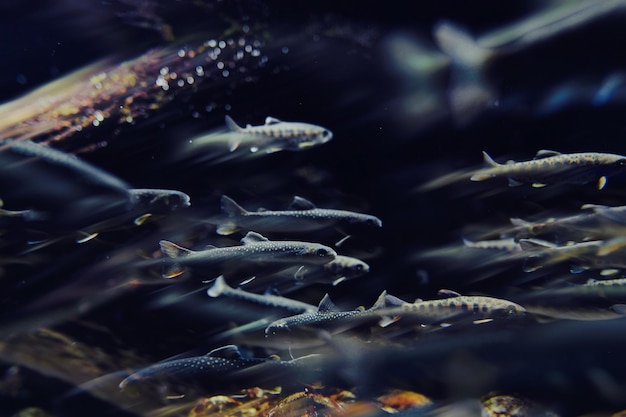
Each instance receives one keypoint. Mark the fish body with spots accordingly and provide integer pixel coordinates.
(255, 249)
(550, 167)
(302, 216)
(219, 368)
(276, 135)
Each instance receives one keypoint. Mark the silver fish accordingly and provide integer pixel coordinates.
(327, 318)
(221, 288)
(254, 248)
(276, 135)
(550, 167)
(473, 90)
(596, 222)
(301, 216)
(595, 254)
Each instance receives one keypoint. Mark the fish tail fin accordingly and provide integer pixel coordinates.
(218, 288)
(471, 91)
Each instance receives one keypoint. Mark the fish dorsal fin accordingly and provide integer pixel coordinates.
(489, 160)
(226, 352)
(545, 153)
(444, 293)
(172, 250)
(231, 125)
(253, 237)
(326, 305)
(271, 121)
(300, 203)
(393, 301)
(209, 247)
(230, 207)
(381, 301)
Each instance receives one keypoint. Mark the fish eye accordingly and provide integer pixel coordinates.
(358, 267)
(621, 162)
(321, 252)
(325, 133)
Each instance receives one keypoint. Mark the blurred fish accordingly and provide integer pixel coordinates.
(506, 245)
(595, 223)
(301, 216)
(550, 167)
(159, 199)
(473, 90)
(327, 319)
(276, 135)
(71, 193)
(219, 368)
(254, 248)
(453, 307)
(221, 288)
(596, 254)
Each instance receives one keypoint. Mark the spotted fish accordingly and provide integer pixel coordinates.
(221, 288)
(301, 216)
(254, 248)
(276, 135)
(219, 366)
(550, 167)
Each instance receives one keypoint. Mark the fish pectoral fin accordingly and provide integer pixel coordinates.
(602, 182)
(388, 320)
(233, 143)
(514, 183)
(172, 271)
(227, 228)
(481, 177)
(619, 308)
(538, 185)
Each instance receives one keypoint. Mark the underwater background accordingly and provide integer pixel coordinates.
(141, 89)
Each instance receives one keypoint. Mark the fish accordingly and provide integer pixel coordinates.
(276, 135)
(67, 192)
(328, 319)
(596, 254)
(159, 199)
(508, 245)
(221, 288)
(551, 167)
(388, 310)
(219, 368)
(301, 216)
(473, 90)
(255, 248)
(452, 306)
(596, 222)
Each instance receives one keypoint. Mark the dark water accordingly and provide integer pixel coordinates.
(332, 64)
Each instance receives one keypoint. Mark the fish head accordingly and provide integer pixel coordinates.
(317, 254)
(278, 329)
(304, 136)
(348, 268)
(507, 310)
